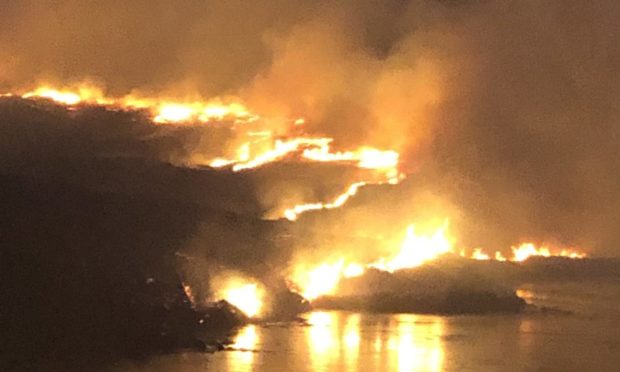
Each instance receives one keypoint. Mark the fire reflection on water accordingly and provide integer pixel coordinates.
(406, 343)
(417, 345)
(343, 341)
(244, 345)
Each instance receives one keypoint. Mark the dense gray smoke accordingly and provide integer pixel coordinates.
(504, 110)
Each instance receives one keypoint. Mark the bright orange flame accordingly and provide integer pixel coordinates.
(67, 96)
(166, 111)
(173, 113)
(527, 250)
(319, 281)
(292, 213)
(479, 255)
(353, 270)
(246, 296)
(163, 111)
(281, 149)
(385, 161)
(499, 257)
(416, 250)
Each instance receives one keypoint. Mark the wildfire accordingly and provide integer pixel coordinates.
(248, 155)
(261, 148)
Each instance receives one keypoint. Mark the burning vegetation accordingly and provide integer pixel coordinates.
(310, 279)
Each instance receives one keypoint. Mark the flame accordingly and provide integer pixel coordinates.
(201, 112)
(353, 270)
(173, 113)
(246, 296)
(479, 255)
(523, 252)
(416, 250)
(499, 257)
(527, 250)
(292, 213)
(385, 161)
(281, 149)
(319, 281)
(246, 156)
(162, 110)
(68, 97)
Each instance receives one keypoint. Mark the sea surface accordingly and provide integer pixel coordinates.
(580, 332)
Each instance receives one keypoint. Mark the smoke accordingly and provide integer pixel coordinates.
(503, 110)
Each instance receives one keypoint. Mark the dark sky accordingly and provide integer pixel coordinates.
(505, 110)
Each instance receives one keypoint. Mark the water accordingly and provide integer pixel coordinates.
(587, 339)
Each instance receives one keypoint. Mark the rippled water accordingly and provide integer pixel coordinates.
(343, 341)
